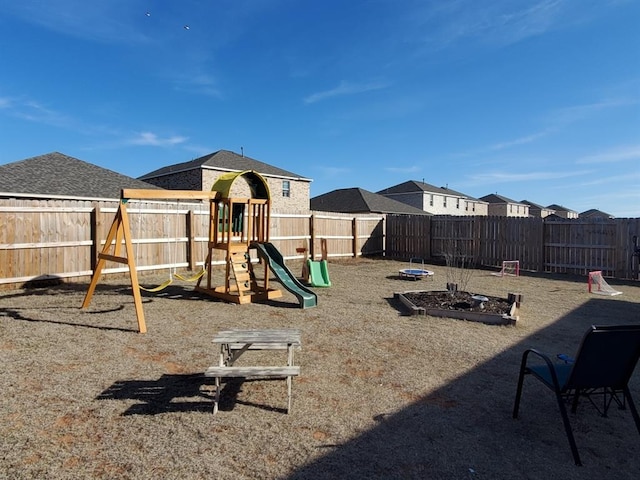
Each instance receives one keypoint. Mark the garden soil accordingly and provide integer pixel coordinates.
(381, 394)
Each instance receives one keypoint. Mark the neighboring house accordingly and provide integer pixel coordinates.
(289, 191)
(357, 200)
(435, 200)
(594, 214)
(563, 212)
(505, 207)
(538, 211)
(57, 175)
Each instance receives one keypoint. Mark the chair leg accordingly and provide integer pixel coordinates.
(632, 407)
(574, 402)
(567, 428)
(516, 403)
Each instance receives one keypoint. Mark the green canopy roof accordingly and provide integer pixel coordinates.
(257, 184)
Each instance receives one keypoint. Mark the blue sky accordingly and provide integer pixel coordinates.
(535, 100)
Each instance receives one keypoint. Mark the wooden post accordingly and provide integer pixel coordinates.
(95, 240)
(354, 234)
(120, 230)
(191, 247)
(312, 239)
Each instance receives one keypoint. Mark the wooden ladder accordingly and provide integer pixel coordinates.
(242, 273)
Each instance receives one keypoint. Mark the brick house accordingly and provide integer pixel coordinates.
(435, 200)
(505, 207)
(289, 191)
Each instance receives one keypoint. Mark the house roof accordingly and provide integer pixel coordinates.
(595, 213)
(227, 161)
(534, 205)
(495, 198)
(413, 186)
(358, 200)
(560, 208)
(61, 175)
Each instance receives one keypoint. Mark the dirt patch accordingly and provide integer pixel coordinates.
(459, 301)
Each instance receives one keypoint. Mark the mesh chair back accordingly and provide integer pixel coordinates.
(606, 357)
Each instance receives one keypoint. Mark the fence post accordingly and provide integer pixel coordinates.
(93, 234)
(312, 237)
(191, 247)
(354, 233)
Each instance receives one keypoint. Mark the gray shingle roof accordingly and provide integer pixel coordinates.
(595, 213)
(560, 208)
(534, 205)
(415, 186)
(224, 160)
(358, 200)
(495, 198)
(60, 175)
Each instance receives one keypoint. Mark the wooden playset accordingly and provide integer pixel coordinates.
(234, 224)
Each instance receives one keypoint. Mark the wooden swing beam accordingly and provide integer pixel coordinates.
(120, 232)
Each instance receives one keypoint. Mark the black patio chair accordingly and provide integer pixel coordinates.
(603, 365)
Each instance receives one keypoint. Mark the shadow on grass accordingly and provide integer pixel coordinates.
(179, 393)
(465, 428)
(16, 314)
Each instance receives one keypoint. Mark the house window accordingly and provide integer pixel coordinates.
(444, 202)
(286, 188)
(431, 200)
(457, 203)
(511, 208)
(466, 206)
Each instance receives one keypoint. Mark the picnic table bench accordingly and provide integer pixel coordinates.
(234, 343)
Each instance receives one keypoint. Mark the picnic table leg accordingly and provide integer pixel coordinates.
(289, 378)
(217, 398)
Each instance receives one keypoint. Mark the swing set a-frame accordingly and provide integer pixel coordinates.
(234, 224)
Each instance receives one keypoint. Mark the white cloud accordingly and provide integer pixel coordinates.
(201, 84)
(576, 113)
(345, 88)
(619, 154)
(500, 22)
(519, 141)
(102, 21)
(152, 140)
(34, 111)
(504, 177)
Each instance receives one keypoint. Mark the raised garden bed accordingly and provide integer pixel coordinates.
(462, 305)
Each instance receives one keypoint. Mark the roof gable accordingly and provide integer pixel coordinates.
(413, 186)
(495, 198)
(358, 200)
(227, 161)
(560, 208)
(61, 175)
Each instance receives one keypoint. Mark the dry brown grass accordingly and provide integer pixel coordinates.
(381, 395)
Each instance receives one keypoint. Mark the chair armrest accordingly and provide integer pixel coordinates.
(547, 360)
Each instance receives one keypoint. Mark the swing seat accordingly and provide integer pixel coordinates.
(162, 286)
(195, 277)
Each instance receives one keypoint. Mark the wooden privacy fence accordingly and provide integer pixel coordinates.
(47, 239)
(559, 246)
(51, 239)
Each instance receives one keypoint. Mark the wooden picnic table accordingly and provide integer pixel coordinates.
(233, 344)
